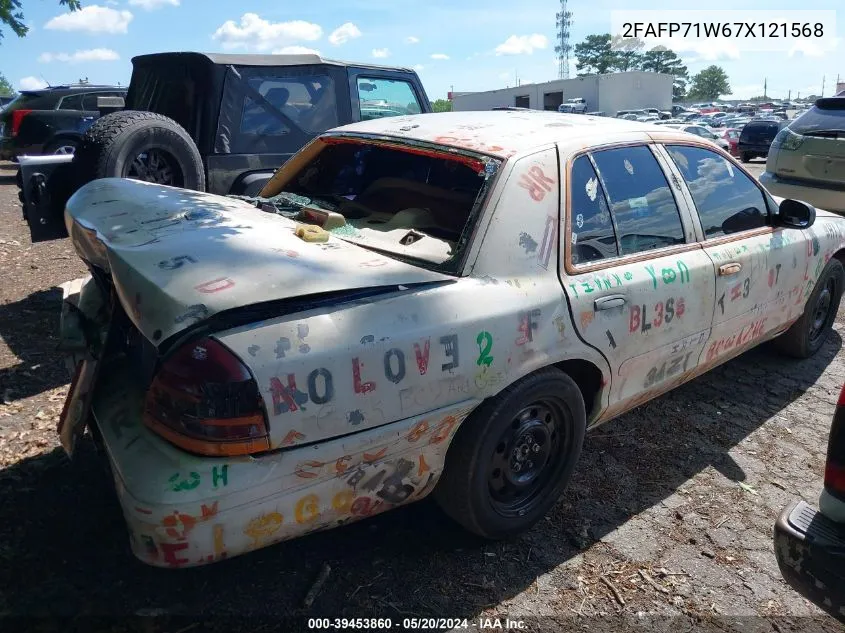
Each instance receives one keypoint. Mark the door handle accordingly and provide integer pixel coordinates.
(609, 302)
(730, 269)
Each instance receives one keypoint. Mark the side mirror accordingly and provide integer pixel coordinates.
(796, 214)
(366, 86)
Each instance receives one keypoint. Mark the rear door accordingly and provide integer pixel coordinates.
(759, 282)
(813, 148)
(640, 288)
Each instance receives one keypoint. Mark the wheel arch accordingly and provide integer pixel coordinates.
(840, 255)
(58, 137)
(590, 380)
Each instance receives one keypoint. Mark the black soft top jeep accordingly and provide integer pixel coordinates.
(217, 123)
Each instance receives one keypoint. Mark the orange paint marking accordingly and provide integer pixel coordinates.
(371, 457)
(291, 437)
(207, 512)
(172, 523)
(307, 474)
(340, 465)
(143, 510)
(420, 429)
(441, 432)
(424, 468)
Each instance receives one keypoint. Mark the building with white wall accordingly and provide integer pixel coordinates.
(603, 93)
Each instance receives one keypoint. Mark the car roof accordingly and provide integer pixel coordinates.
(227, 59)
(66, 89)
(504, 133)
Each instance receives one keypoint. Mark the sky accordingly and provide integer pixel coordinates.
(464, 45)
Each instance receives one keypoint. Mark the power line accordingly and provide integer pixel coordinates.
(563, 48)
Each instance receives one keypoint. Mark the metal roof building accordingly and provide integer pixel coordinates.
(603, 93)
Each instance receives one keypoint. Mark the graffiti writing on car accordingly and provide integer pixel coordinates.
(669, 275)
(664, 313)
(667, 369)
(738, 339)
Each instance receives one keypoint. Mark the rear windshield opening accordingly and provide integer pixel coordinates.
(414, 202)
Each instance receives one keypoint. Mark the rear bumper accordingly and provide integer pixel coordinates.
(184, 510)
(757, 150)
(810, 550)
(10, 148)
(818, 196)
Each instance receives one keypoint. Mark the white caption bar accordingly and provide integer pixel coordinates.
(725, 34)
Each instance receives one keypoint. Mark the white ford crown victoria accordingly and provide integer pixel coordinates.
(441, 303)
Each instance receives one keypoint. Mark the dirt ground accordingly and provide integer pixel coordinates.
(667, 524)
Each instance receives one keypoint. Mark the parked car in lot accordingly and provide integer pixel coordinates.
(810, 543)
(217, 123)
(731, 136)
(807, 157)
(678, 111)
(704, 133)
(52, 120)
(441, 304)
(756, 138)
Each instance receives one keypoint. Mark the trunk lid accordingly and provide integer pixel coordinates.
(177, 257)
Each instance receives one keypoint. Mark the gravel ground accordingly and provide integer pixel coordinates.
(668, 520)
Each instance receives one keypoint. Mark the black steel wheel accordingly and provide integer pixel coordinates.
(513, 456)
(525, 457)
(822, 313)
(806, 336)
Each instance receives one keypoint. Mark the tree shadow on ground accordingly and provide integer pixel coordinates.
(29, 328)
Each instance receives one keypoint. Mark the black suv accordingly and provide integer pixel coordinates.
(216, 123)
(756, 138)
(52, 120)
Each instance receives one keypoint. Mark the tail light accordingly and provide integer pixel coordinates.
(834, 472)
(203, 399)
(17, 119)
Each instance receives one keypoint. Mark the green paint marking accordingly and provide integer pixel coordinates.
(223, 475)
(485, 344)
(178, 484)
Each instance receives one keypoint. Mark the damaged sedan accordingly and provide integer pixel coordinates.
(430, 304)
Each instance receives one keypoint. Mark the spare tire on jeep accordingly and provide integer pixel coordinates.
(142, 146)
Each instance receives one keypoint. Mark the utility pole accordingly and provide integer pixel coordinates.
(765, 81)
(789, 95)
(823, 78)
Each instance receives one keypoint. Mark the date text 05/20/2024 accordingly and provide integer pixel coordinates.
(412, 624)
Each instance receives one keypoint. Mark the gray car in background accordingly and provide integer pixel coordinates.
(807, 158)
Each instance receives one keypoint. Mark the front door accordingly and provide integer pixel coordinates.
(640, 288)
(759, 283)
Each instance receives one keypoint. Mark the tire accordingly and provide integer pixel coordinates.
(143, 146)
(62, 146)
(745, 157)
(473, 489)
(806, 336)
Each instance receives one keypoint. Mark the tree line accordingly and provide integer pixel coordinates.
(600, 53)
